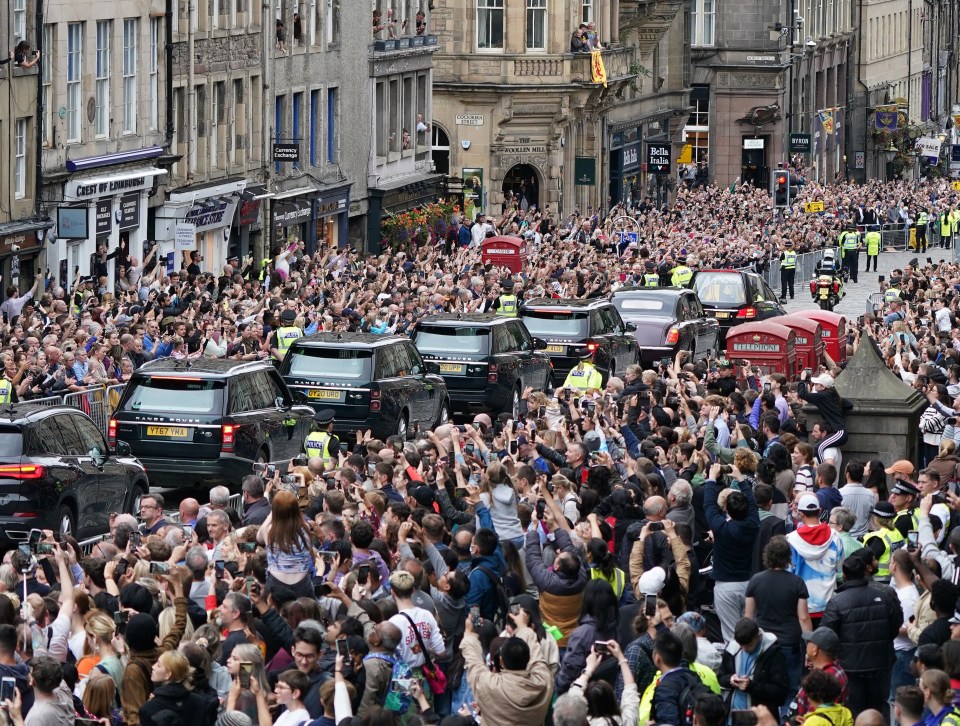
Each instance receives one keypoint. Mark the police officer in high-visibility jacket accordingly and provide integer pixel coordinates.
(506, 304)
(946, 229)
(322, 442)
(7, 392)
(650, 276)
(788, 270)
(681, 275)
(923, 219)
(904, 496)
(872, 240)
(850, 249)
(885, 540)
(585, 375)
(284, 336)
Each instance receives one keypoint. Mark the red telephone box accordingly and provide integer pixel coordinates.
(766, 344)
(834, 334)
(509, 252)
(809, 340)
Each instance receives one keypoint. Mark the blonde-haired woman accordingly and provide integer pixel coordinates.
(105, 649)
(248, 700)
(170, 676)
(937, 697)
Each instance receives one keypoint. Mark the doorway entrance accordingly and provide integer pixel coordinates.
(522, 185)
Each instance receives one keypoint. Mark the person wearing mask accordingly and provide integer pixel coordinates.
(866, 620)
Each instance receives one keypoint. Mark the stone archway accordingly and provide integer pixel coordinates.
(524, 183)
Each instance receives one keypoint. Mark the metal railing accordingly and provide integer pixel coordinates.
(98, 403)
(874, 302)
(806, 266)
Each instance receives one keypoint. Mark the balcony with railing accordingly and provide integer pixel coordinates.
(534, 69)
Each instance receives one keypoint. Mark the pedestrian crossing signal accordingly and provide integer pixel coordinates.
(781, 190)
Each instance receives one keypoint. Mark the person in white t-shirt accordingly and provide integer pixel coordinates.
(291, 687)
(401, 585)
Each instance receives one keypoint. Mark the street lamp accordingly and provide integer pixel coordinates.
(890, 151)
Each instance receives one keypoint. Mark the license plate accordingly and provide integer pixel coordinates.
(451, 367)
(319, 394)
(721, 314)
(555, 349)
(170, 432)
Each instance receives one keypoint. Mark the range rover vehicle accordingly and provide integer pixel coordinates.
(56, 472)
(486, 360)
(594, 324)
(207, 421)
(376, 382)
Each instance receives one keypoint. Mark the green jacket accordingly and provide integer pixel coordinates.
(723, 454)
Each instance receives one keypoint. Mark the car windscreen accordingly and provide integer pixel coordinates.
(566, 324)
(174, 395)
(11, 441)
(453, 341)
(348, 364)
(720, 288)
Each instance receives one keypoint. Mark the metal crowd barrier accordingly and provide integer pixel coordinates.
(98, 403)
(874, 302)
(806, 266)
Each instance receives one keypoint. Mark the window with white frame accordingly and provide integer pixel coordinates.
(20, 167)
(586, 16)
(333, 21)
(19, 20)
(214, 14)
(703, 16)
(536, 24)
(490, 24)
(312, 22)
(46, 68)
(74, 77)
(130, 28)
(154, 74)
(101, 126)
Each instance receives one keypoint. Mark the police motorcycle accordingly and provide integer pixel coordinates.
(826, 287)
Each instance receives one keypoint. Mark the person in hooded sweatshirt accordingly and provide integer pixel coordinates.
(53, 704)
(817, 555)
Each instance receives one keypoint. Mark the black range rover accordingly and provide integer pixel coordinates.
(56, 472)
(487, 360)
(206, 421)
(568, 325)
(376, 382)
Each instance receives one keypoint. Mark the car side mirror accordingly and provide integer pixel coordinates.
(99, 459)
(539, 344)
(432, 367)
(122, 448)
(630, 327)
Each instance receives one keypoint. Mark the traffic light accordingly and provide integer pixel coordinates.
(781, 189)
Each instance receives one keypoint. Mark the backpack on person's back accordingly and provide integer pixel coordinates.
(501, 599)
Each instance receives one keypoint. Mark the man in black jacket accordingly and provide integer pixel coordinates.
(675, 679)
(754, 668)
(866, 619)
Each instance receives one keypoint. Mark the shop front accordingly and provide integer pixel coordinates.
(199, 219)
(247, 229)
(401, 196)
(108, 212)
(317, 216)
(21, 252)
(625, 151)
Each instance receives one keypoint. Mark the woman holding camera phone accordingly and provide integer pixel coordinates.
(287, 540)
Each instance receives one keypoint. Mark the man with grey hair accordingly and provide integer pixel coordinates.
(570, 709)
(218, 528)
(679, 498)
(256, 506)
(196, 561)
(219, 498)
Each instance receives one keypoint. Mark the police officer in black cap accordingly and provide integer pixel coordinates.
(322, 441)
(284, 336)
(650, 277)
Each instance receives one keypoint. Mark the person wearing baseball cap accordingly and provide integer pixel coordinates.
(830, 406)
(884, 540)
(822, 646)
(817, 555)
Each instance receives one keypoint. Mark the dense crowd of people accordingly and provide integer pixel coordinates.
(686, 545)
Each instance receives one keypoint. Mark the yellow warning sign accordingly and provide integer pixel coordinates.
(811, 207)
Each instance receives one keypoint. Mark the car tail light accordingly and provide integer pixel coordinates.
(673, 336)
(592, 347)
(21, 471)
(492, 373)
(747, 313)
(24, 515)
(374, 400)
(112, 433)
(229, 432)
(813, 287)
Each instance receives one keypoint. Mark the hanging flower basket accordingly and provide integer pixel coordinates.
(427, 224)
